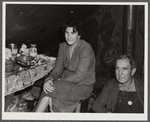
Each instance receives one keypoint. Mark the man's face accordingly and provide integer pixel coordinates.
(123, 70)
(71, 37)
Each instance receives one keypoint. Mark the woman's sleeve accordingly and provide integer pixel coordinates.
(99, 106)
(83, 65)
(59, 67)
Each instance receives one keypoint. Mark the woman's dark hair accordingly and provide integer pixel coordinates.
(129, 58)
(75, 23)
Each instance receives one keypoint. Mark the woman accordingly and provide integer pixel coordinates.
(73, 76)
(125, 94)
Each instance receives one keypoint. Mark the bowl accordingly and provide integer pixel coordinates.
(25, 61)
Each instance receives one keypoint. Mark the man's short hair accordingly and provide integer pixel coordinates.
(129, 58)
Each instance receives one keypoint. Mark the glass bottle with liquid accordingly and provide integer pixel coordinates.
(33, 50)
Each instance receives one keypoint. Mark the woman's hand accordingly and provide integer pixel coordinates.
(48, 86)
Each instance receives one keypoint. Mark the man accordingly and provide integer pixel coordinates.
(125, 94)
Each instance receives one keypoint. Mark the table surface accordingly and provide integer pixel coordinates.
(27, 77)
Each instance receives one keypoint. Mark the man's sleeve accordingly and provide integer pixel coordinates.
(99, 105)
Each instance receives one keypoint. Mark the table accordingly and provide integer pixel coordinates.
(26, 78)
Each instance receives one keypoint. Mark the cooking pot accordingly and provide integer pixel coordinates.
(9, 66)
(25, 61)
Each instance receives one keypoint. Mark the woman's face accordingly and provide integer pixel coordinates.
(71, 36)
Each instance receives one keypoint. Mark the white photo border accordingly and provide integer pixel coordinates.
(77, 116)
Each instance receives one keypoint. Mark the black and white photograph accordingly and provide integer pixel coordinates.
(74, 60)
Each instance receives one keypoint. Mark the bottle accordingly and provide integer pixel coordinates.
(33, 50)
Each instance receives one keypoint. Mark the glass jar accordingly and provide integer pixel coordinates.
(14, 49)
(33, 50)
